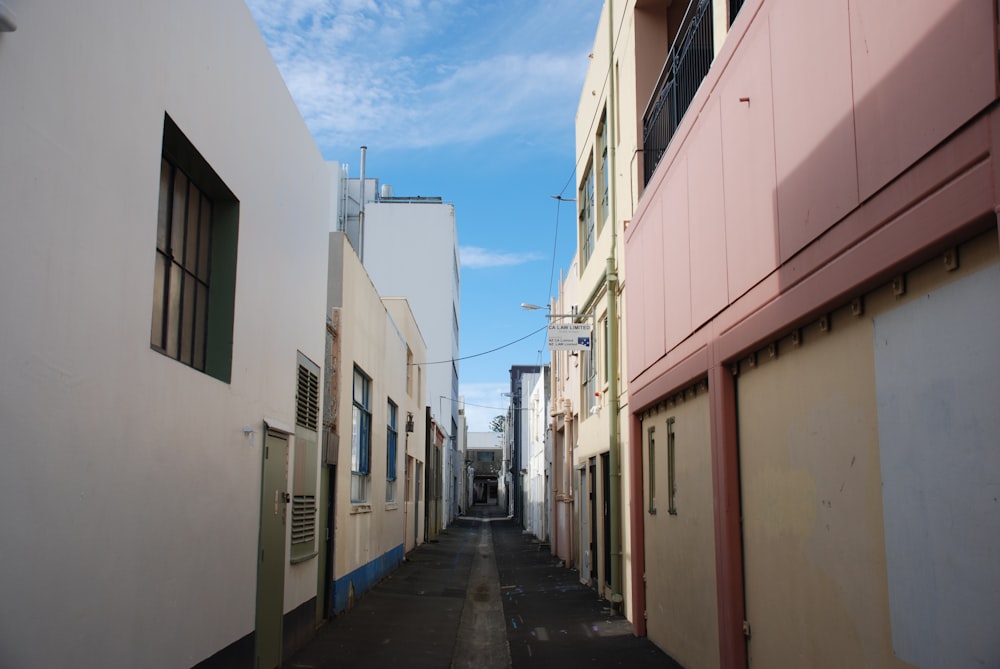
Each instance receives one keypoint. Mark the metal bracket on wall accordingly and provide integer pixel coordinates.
(899, 285)
(951, 259)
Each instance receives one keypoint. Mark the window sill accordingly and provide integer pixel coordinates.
(391, 506)
(360, 507)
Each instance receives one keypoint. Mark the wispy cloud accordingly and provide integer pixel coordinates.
(421, 73)
(474, 257)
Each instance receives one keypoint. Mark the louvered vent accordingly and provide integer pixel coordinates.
(307, 399)
(303, 519)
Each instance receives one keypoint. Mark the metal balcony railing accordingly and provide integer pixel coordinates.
(688, 61)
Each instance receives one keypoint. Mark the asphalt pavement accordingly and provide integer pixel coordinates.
(483, 594)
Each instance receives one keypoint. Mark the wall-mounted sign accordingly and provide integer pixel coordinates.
(569, 336)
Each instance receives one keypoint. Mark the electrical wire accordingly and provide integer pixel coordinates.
(476, 355)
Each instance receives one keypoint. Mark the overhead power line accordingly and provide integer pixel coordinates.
(476, 355)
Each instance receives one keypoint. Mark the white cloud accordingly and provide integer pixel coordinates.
(474, 257)
(422, 73)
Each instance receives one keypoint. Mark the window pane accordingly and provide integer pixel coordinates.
(159, 282)
(200, 325)
(192, 235)
(177, 224)
(356, 440)
(173, 310)
(204, 243)
(365, 454)
(163, 216)
(187, 321)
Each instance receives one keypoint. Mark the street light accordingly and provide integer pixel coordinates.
(533, 307)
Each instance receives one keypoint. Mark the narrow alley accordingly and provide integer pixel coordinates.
(483, 594)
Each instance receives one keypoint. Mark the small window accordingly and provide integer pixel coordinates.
(671, 469)
(195, 269)
(588, 379)
(390, 453)
(361, 437)
(651, 465)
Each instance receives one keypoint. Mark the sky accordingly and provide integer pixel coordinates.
(470, 100)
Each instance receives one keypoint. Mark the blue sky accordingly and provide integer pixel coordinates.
(471, 100)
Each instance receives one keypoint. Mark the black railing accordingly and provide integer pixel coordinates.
(734, 9)
(687, 64)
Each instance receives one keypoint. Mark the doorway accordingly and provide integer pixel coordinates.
(271, 550)
(606, 526)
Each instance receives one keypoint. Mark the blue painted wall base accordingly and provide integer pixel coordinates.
(350, 587)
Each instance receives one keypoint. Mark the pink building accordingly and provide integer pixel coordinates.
(812, 317)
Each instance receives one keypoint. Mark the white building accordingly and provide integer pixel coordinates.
(538, 459)
(410, 249)
(162, 285)
(517, 440)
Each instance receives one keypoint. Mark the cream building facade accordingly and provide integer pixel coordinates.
(376, 429)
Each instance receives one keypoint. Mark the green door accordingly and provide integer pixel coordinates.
(271, 551)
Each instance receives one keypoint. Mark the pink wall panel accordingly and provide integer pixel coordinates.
(635, 301)
(673, 251)
(707, 216)
(921, 69)
(813, 118)
(653, 285)
(748, 166)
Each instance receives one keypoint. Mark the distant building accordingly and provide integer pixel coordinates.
(538, 459)
(484, 463)
(517, 440)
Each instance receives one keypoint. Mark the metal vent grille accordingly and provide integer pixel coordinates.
(307, 399)
(303, 519)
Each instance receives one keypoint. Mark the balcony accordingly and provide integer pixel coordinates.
(687, 63)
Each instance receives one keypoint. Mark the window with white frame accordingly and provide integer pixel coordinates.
(361, 437)
(588, 380)
(391, 437)
(585, 201)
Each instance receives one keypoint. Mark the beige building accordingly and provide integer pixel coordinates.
(374, 431)
(412, 409)
(589, 396)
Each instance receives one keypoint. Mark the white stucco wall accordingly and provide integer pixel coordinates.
(411, 251)
(129, 494)
(537, 419)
